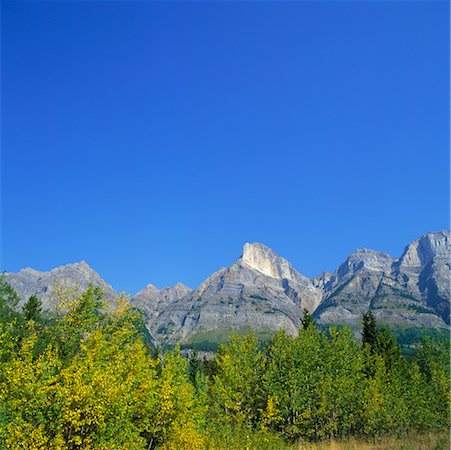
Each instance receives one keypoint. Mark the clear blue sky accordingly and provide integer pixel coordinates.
(153, 139)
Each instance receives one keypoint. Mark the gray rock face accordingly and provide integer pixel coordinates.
(261, 291)
(411, 290)
(153, 301)
(78, 276)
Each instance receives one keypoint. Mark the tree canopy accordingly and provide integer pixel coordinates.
(86, 378)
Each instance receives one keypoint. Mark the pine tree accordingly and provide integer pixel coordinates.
(387, 346)
(307, 320)
(369, 331)
(9, 299)
(32, 309)
(194, 366)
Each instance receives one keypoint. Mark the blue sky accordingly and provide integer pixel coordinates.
(153, 139)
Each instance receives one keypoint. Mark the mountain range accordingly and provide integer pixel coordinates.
(261, 291)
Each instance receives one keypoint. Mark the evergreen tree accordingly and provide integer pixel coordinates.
(369, 331)
(210, 367)
(194, 367)
(32, 309)
(387, 346)
(9, 300)
(307, 320)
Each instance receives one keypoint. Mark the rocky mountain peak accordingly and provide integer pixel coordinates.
(44, 284)
(177, 291)
(81, 267)
(422, 250)
(180, 287)
(149, 289)
(259, 257)
(29, 270)
(364, 258)
(263, 292)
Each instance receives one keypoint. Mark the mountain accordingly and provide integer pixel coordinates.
(424, 270)
(411, 290)
(261, 291)
(153, 301)
(78, 276)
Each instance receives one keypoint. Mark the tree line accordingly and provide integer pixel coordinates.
(86, 377)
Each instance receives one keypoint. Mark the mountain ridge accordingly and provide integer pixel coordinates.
(263, 291)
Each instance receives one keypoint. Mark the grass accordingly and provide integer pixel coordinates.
(239, 439)
(429, 441)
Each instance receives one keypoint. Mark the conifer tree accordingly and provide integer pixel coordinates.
(387, 346)
(307, 319)
(9, 300)
(369, 331)
(194, 366)
(32, 309)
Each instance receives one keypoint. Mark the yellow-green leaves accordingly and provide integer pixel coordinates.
(86, 380)
(98, 388)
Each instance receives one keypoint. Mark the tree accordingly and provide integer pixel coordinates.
(433, 353)
(293, 372)
(369, 331)
(32, 309)
(307, 319)
(78, 316)
(172, 416)
(105, 394)
(237, 392)
(314, 384)
(9, 301)
(387, 346)
(431, 401)
(28, 416)
(194, 366)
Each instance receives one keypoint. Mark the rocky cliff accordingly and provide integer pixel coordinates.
(411, 290)
(261, 291)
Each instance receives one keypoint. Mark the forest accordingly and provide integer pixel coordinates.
(87, 377)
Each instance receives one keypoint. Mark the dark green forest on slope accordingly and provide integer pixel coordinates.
(87, 377)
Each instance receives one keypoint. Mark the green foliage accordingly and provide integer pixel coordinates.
(387, 346)
(95, 386)
(9, 301)
(237, 391)
(32, 310)
(369, 331)
(210, 340)
(433, 354)
(307, 319)
(408, 337)
(89, 378)
(314, 384)
(172, 415)
(194, 367)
